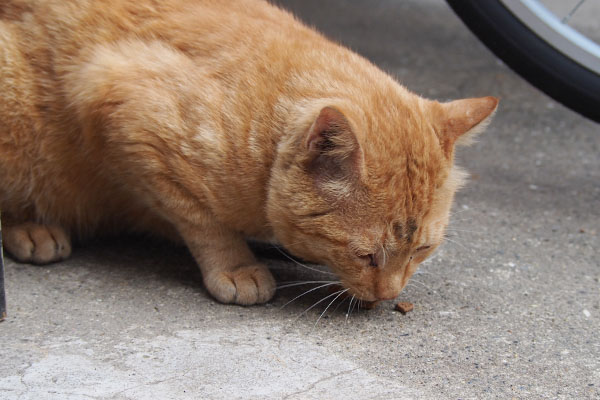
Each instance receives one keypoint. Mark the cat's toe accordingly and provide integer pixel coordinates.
(18, 243)
(37, 244)
(252, 284)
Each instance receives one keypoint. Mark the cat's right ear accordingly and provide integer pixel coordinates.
(461, 120)
(332, 150)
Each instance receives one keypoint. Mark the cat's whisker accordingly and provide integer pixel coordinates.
(356, 305)
(299, 283)
(452, 234)
(425, 286)
(446, 238)
(463, 230)
(329, 305)
(303, 265)
(318, 302)
(384, 255)
(421, 272)
(461, 211)
(349, 306)
(308, 291)
(420, 283)
(340, 303)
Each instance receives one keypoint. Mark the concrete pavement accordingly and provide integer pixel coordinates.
(509, 307)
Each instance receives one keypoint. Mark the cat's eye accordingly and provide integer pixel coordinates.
(370, 259)
(423, 248)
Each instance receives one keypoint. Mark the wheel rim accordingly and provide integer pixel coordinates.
(556, 33)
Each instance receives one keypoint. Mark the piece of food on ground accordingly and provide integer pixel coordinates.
(404, 307)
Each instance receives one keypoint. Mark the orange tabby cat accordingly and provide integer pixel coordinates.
(211, 122)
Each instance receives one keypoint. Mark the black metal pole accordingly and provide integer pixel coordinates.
(2, 292)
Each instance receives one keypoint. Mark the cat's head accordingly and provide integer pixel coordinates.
(370, 195)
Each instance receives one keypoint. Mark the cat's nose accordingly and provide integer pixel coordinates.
(385, 290)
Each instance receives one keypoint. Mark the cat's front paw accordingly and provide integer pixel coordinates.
(247, 285)
(37, 244)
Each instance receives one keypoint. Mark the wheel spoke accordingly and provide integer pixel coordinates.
(567, 17)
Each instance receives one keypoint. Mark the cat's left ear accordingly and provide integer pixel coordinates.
(331, 149)
(461, 120)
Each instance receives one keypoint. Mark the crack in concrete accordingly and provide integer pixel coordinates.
(18, 392)
(184, 375)
(76, 394)
(29, 389)
(22, 380)
(314, 384)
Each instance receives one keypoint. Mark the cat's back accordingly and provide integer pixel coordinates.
(245, 48)
(189, 24)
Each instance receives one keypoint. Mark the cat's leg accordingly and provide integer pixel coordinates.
(27, 242)
(230, 271)
(142, 118)
(37, 244)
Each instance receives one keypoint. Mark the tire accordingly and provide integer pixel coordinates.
(557, 75)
